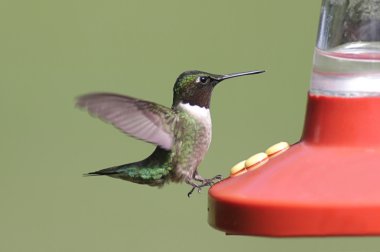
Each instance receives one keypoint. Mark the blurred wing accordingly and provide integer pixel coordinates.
(144, 120)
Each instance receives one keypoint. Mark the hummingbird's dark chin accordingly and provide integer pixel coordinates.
(200, 98)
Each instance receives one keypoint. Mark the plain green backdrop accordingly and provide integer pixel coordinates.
(52, 51)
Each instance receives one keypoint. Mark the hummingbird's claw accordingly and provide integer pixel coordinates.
(217, 177)
(199, 188)
(192, 190)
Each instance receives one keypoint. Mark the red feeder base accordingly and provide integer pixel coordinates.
(327, 184)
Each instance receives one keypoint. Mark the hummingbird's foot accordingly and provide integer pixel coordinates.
(205, 182)
(209, 181)
(199, 178)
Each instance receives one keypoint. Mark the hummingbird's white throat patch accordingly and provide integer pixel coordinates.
(202, 114)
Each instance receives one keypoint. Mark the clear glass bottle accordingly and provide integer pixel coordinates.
(347, 53)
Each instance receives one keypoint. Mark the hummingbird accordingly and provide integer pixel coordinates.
(181, 133)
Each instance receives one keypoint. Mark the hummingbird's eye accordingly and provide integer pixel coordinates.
(202, 79)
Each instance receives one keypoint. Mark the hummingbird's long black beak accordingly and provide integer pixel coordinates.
(233, 75)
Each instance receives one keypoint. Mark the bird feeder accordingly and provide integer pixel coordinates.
(328, 183)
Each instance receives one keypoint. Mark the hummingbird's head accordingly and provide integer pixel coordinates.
(195, 87)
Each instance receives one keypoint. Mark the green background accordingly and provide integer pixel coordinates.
(52, 51)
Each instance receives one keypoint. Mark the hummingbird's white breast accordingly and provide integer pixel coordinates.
(201, 114)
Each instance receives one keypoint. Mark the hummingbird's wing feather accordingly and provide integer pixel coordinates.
(141, 119)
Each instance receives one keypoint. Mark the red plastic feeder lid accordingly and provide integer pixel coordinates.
(327, 184)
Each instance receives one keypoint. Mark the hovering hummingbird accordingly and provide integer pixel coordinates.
(182, 133)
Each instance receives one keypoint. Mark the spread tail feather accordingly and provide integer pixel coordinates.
(135, 172)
